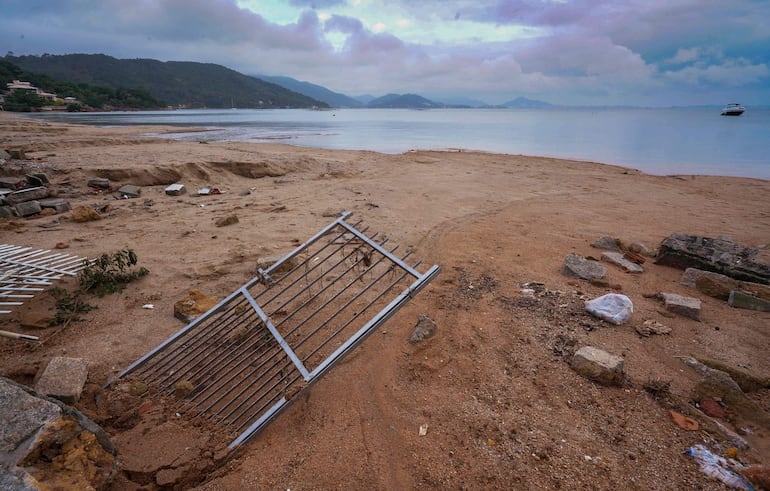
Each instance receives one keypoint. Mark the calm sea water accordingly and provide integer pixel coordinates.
(655, 141)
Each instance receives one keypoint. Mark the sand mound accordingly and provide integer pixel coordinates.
(252, 170)
(142, 176)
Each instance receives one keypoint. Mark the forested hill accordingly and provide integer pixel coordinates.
(177, 83)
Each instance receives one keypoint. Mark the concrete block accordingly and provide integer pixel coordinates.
(38, 179)
(99, 183)
(175, 189)
(6, 211)
(598, 365)
(130, 191)
(684, 306)
(741, 300)
(63, 379)
(617, 259)
(28, 194)
(28, 208)
(59, 204)
(10, 182)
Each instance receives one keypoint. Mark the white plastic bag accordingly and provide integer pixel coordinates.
(612, 307)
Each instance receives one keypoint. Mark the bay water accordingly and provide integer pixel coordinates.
(660, 141)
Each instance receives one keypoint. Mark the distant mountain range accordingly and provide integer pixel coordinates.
(192, 84)
(176, 83)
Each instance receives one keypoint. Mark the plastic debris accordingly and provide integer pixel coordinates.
(612, 307)
(423, 429)
(718, 468)
(148, 306)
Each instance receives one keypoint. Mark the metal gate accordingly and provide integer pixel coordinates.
(247, 359)
(25, 271)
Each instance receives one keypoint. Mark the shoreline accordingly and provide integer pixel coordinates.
(653, 164)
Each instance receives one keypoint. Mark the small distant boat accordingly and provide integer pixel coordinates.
(733, 110)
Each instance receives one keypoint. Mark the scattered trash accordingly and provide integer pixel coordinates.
(718, 468)
(612, 307)
(148, 306)
(62, 245)
(15, 335)
(208, 191)
(650, 327)
(423, 429)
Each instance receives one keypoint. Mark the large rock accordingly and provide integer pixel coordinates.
(580, 267)
(28, 194)
(720, 255)
(719, 286)
(598, 365)
(45, 444)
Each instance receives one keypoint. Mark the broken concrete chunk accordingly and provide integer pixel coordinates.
(617, 259)
(63, 379)
(741, 300)
(28, 208)
(38, 179)
(684, 306)
(580, 267)
(607, 243)
(175, 189)
(28, 194)
(45, 444)
(12, 183)
(130, 191)
(99, 183)
(640, 248)
(720, 255)
(598, 365)
(6, 211)
(60, 205)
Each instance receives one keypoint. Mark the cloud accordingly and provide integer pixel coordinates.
(317, 4)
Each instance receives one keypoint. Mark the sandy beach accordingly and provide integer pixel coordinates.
(502, 406)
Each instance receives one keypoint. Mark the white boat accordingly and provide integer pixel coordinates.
(733, 110)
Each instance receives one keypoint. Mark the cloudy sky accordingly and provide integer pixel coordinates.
(638, 52)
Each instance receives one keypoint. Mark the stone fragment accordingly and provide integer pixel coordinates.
(684, 306)
(639, 248)
(99, 183)
(183, 388)
(720, 255)
(193, 305)
(175, 189)
(129, 191)
(12, 183)
(6, 211)
(598, 365)
(617, 259)
(27, 194)
(580, 267)
(63, 379)
(27, 208)
(607, 243)
(650, 327)
(225, 221)
(38, 179)
(60, 205)
(741, 300)
(424, 329)
(84, 213)
(745, 380)
(719, 286)
(710, 407)
(17, 153)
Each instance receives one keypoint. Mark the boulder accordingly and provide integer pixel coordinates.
(580, 267)
(719, 255)
(607, 243)
(60, 205)
(27, 208)
(598, 365)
